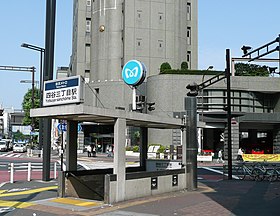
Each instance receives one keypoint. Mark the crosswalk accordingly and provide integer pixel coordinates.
(10, 154)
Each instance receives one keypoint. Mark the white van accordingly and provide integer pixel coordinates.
(5, 145)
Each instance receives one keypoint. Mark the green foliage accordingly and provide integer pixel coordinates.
(184, 66)
(191, 72)
(161, 149)
(128, 148)
(165, 66)
(19, 136)
(242, 69)
(135, 149)
(27, 105)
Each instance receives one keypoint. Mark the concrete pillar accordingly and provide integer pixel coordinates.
(119, 157)
(71, 146)
(143, 147)
(276, 141)
(234, 139)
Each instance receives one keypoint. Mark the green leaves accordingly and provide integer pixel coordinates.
(242, 69)
(27, 105)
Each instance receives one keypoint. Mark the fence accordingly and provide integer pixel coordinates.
(24, 171)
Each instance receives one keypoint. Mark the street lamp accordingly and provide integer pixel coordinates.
(42, 51)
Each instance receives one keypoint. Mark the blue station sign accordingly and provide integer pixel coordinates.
(134, 73)
(63, 91)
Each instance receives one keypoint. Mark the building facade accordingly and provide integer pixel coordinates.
(108, 33)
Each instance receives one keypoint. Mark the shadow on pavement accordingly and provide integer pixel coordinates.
(245, 197)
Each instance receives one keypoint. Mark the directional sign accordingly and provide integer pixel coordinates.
(63, 127)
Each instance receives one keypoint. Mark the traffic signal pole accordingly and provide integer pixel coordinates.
(191, 142)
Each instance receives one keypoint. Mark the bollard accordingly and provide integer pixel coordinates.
(29, 171)
(12, 173)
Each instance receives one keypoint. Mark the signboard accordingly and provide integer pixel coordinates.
(261, 157)
(155, 165)
(63, 127)
(134, 73)
(62, 91)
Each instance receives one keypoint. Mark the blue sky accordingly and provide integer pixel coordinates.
(24, 21)
(222, 24)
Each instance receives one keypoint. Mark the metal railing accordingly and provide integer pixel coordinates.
(29, 169)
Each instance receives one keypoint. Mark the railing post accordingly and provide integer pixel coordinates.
(55, 168)
(29, 171)
(12, 173)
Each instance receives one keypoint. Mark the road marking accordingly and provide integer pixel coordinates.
(28, 191)
(16, 204)
(2, 191)
(220, 172)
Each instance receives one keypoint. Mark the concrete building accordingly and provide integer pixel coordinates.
(108, 33)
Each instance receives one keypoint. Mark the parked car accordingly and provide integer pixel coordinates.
(5, 145)
(18, 147)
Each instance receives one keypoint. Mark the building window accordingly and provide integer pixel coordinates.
(160, 17)
(189, 58)
(88, 3)
(88, 25)
(188, 35)
(160, 45)
(138, 42)
(188, 11)
(139, 15)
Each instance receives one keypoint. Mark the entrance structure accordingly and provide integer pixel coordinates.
(119, 183)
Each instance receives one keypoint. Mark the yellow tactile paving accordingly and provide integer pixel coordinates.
(76, 202)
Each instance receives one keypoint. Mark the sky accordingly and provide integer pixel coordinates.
(222, 24)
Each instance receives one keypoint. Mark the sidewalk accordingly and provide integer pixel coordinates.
(217, 198)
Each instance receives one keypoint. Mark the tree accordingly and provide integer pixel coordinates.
(242, 69)
(19, 136)
(27, 105)
(165, 66)
(184, 65)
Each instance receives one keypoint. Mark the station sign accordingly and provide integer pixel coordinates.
(134, 73)
(63, 91)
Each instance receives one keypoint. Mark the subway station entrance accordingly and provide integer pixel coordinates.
(118, 183)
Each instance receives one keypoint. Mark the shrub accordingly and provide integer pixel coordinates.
(184, 66)
(165, 66)
(135, 149)
(128, 148)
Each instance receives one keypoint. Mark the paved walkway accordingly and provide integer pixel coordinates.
(224, 197)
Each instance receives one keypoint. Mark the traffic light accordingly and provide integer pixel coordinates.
(193, 89)
(150, 106)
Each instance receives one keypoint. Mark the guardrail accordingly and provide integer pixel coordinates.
(34, 152)
(30, 168)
